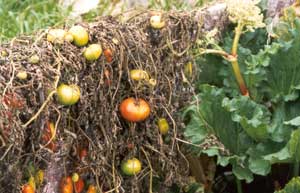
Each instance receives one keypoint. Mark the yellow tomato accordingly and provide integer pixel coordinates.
(188, 69)
(131, 167)
(75, 177)
(139, 75)
(80, 35)
(68, 94)
(69, 37)
(39, 177)
(31, 182)
(163, 126)
(93, 52)
(34, 59)
(22, 75)
(156, 22)
(56, 36)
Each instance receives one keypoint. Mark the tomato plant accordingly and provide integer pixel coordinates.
(134, 110)
(131, 167)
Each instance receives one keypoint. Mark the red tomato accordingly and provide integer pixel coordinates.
(79, 186)
(134, 110)
(108, 55)
(66, 185)
(27, 189)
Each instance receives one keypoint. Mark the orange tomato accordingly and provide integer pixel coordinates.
(66, 185)
(79, 185)
(27, 189)
(91, 189)
(134, 110)
(108, 55)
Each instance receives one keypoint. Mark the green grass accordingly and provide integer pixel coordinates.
(24, 17)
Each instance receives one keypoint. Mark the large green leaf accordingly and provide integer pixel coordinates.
(280, 65)
(209, 118)
(253, 117)
(292, 187)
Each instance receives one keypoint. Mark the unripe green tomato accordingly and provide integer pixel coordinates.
(163, 126)
(68, 94)
(131, 167)
(80, 35)
(93, 52)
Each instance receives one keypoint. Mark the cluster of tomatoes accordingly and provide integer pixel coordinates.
(131, 109)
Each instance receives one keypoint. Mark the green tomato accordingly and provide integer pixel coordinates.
(163, 126)
(131, 167)
(68, 94)
(93, 52)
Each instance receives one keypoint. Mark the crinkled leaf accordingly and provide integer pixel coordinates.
(293, 122)
(253, 117)
(290, 153)
(259, 166)
(282, 73)
(282, 113)
(292, 187)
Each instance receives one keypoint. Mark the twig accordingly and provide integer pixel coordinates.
(151, 171)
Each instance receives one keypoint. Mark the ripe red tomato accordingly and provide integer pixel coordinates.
(27, 189)
(79, 185)
(108, 55)
(134, 110)
(66, 185)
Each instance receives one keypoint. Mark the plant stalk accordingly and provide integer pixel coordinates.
(296, 169)
(238, 185)
(235, 64)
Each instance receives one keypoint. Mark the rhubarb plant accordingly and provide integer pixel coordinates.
(257, 123)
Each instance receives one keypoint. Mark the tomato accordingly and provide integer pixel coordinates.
(27, 189)
(79, 185)
(31, 182)
(139, 75)
(68, 94)
(91, 189)
(108, 55)
(131, 167)
(69, 37)
(163, 126)
(188, 69)
(156, 22)
(75, 177)
(134, 110)
(56, 36)
(93, 52)
(34, 59)
(39, 177)
(22, 75)
(66, 185)
(82, 153)
(80, 35)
